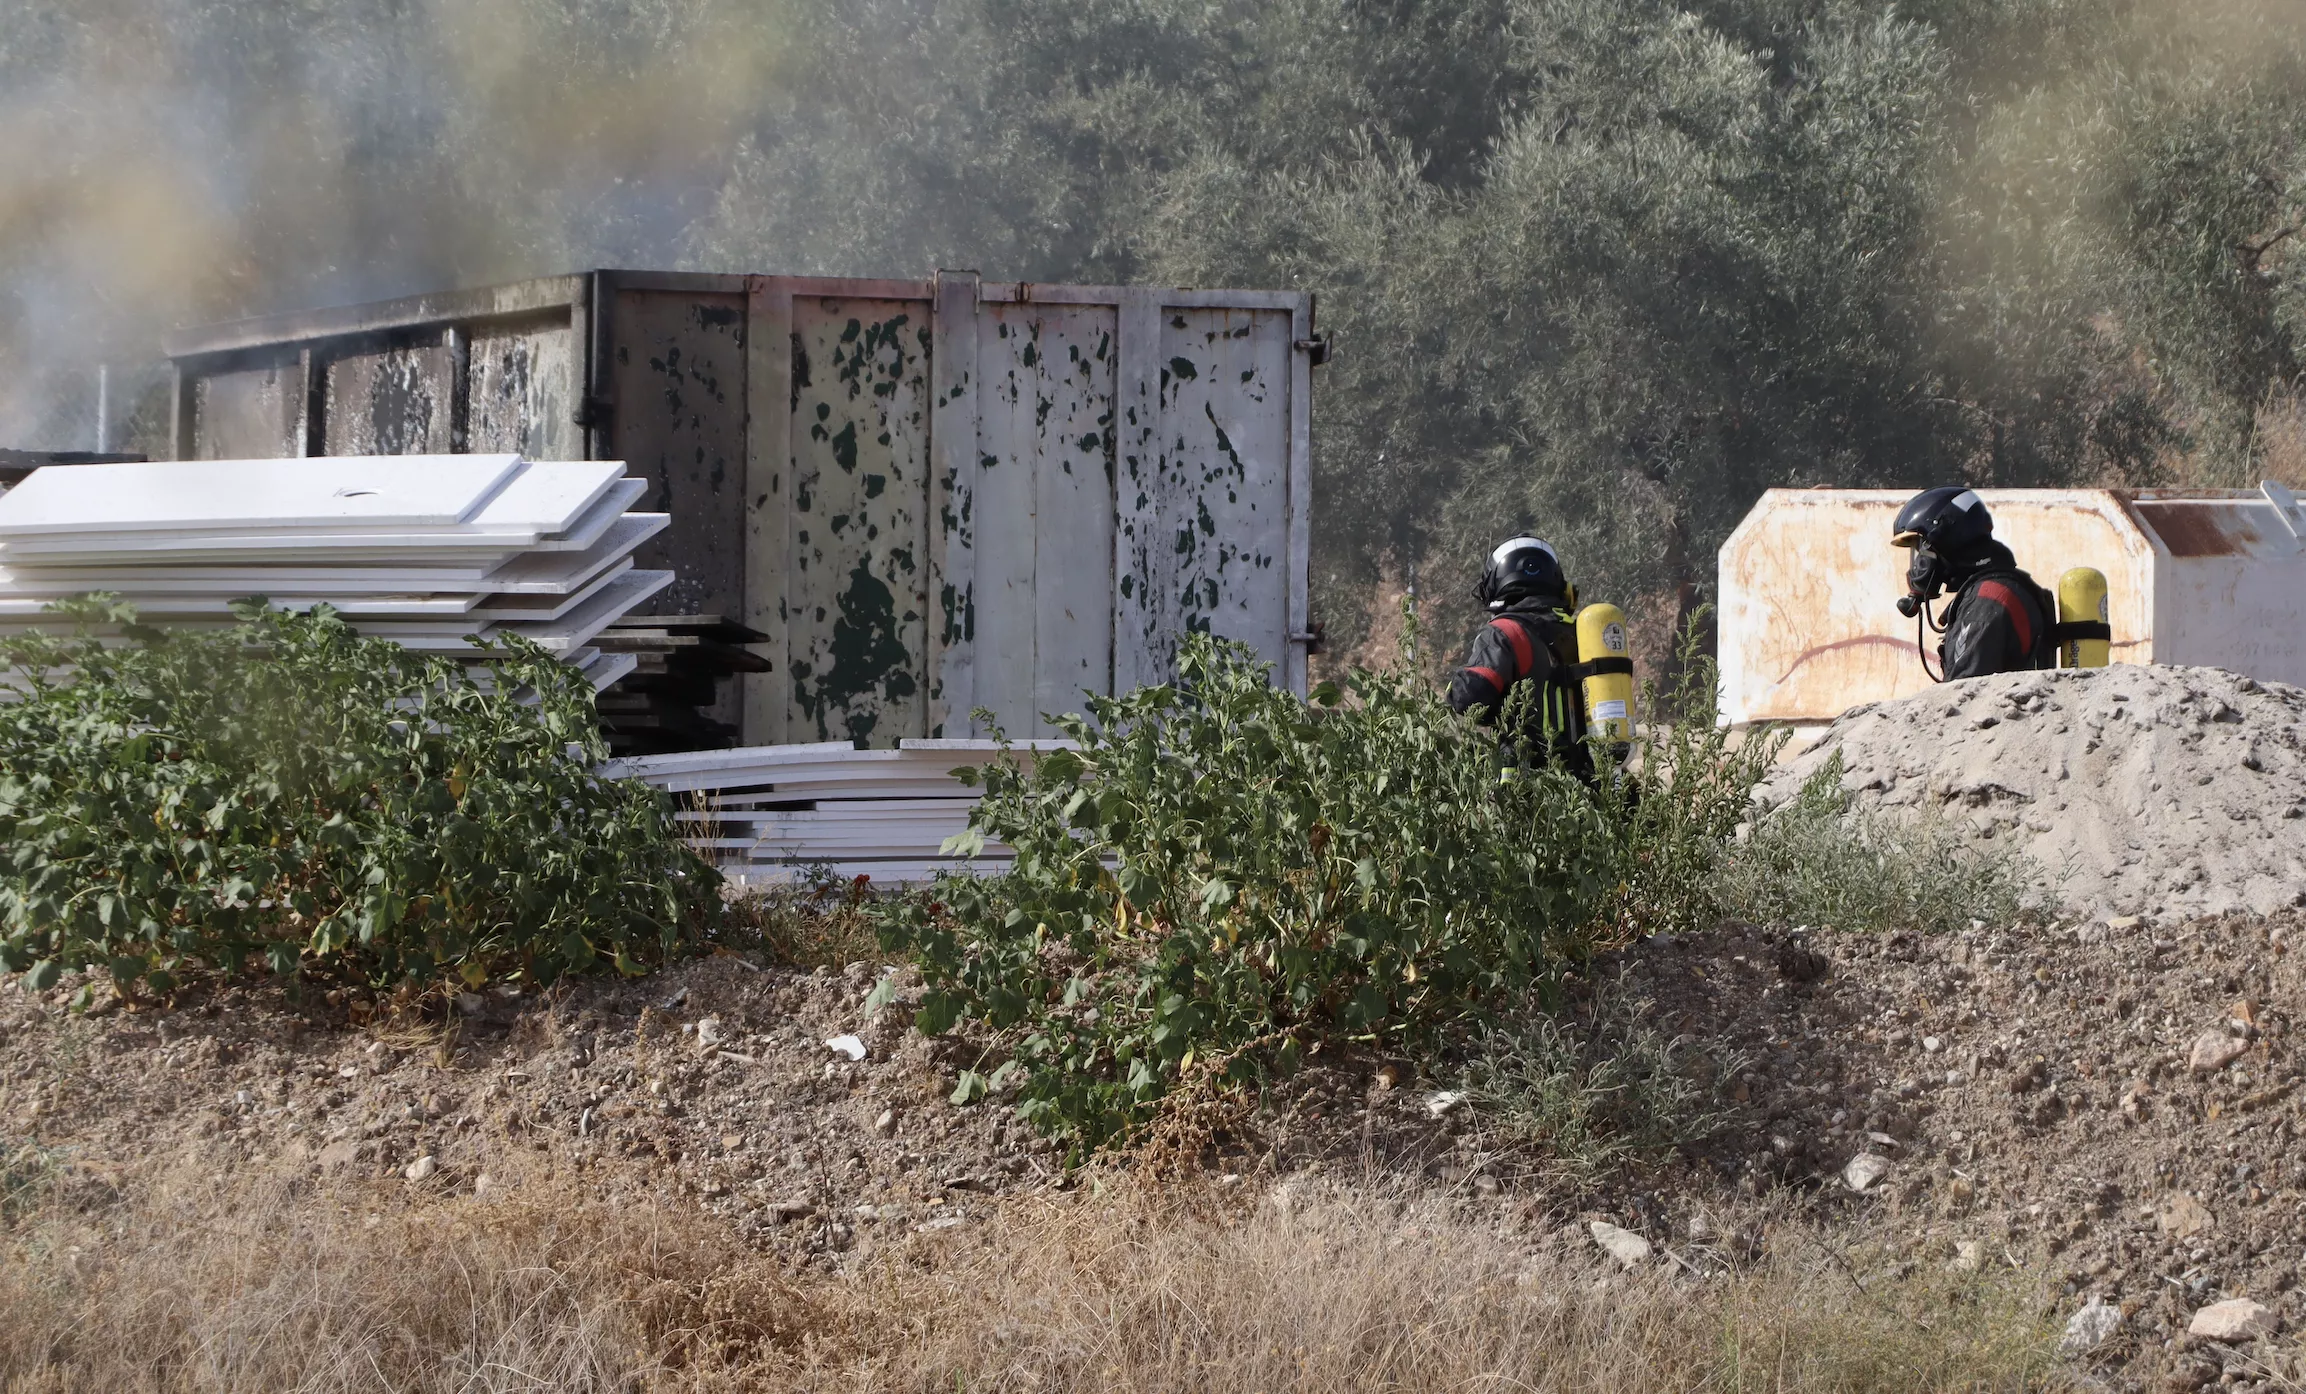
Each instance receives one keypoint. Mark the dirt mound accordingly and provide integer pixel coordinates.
(2158, 791)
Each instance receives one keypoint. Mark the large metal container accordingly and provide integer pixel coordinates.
(935, 496)
(1809, 585)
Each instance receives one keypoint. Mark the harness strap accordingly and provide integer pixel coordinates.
(2012, 606)
(2067, 631)
(1517, 639)
(1594, 668)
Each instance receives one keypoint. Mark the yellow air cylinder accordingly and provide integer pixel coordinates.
(2082, 598)
(1601, 649)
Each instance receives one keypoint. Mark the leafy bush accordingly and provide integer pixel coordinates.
(288, 792)
(1690, 783)
(1818, 860)
(1225, 871)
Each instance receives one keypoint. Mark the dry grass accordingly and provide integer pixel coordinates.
(819, 925)
(260, 1285)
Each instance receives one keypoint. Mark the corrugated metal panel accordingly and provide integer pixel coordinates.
(675, 388)
(1809, 585)
(1044, 509)
(857, 585)
(390, 399)
(524, 390)
(1214, 538)
(248, 412)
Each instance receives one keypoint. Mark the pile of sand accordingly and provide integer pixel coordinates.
(2159, 791)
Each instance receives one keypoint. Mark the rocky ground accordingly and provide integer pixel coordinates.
(2115, 1106)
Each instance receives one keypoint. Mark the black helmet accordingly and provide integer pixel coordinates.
(1949, 521)
(1950, 532)
(1518, 567)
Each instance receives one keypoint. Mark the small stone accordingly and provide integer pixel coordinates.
(846, 1045)
(2214, 1050)
(1969, 1256)
(709, 1033)
(730, 1142)
(1864, 1170)
(2182, 1217)
(2235, 1319)
(1931, 1045)
(785, 1210)
(943, 1222)
(422, 1168)
(1799, 963)
(2090, 1328)
(482, 1185)
(1445, 1103)
(886, 1123)
(1390, 1076)
(1624, 1245)
(347, 1071)
(2123, 922)
(471, 1003)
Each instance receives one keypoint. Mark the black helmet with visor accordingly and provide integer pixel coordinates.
(1519, 568)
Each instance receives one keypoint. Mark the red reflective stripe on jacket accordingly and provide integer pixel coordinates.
(1496, 679)
(1517, 639)
(2014, 607)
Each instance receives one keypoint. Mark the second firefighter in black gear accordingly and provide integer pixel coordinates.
(1999, 621)
(1531, 637)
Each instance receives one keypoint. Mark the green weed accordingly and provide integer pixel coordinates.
(289, 793)
(1819, 860)
(1226, 871)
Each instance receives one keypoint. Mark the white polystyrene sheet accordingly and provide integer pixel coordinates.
(605, 668)
(547, 498)
(186, 495)
(589, 528)
(250, 580)
(594, 525)
(537, 608)
(561, 571)
(596, 614)
(213, 548)
(524, 573)
(220, 604)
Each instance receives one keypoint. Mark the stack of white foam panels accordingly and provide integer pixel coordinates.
(773, 814)
(427, 550)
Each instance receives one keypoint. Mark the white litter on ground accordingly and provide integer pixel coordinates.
(2159, 791)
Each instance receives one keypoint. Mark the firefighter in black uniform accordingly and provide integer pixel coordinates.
(1999, 621)
(1531, 637)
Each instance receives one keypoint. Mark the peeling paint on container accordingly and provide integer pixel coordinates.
(1809, 585)
(934, 495)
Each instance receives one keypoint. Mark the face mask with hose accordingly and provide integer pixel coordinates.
(1937, 524)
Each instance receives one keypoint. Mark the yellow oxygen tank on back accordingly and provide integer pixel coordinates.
(1608, 669)
(2082, 600)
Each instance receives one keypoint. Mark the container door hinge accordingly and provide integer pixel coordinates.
(1317, 351)
(593, 412)
(1315, 638)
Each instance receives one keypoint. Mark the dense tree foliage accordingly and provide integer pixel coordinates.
(1603, 267)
